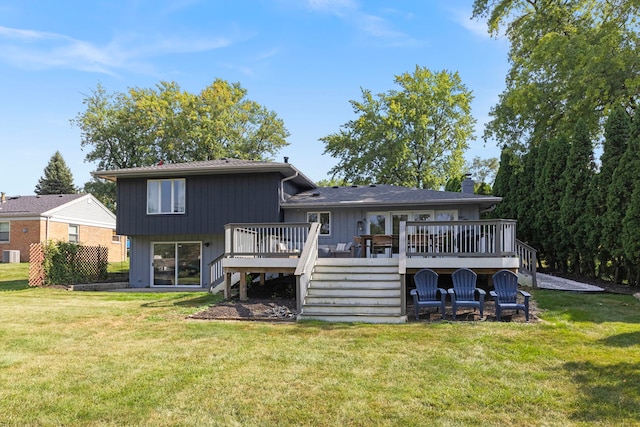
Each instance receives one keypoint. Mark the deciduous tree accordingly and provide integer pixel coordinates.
(143, 126)
(414, 136)
(569, 59)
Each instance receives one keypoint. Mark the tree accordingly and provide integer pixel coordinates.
(505, 184)
(144, 126)
(483, 170)
(575, 212)
(414, 136)
(619, 196)
(104, 191)
(616, 136)
(57, 178)
(569, 59)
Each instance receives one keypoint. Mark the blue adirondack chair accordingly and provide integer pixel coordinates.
(505, 294)
(427, 293)
(464, 292)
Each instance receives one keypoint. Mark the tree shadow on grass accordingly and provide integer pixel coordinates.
(14, 285)
(609, 394)
(622, 340)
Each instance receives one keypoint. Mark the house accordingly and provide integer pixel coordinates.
(193, 224)
(78, 218)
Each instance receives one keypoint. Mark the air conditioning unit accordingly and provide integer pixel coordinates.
(11, 256)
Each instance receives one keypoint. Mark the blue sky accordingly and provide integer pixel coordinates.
(303, 59)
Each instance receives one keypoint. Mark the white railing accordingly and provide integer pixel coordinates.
(307, 261)
(528, 260)
(490, 238)
(265, 240)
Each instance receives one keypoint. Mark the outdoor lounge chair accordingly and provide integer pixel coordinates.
(427, 293)
(505, 294)
(343, 250)
(465, 293)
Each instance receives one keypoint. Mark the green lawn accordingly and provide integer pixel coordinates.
(72, 358)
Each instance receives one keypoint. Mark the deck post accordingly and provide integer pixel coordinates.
(227, 285)
(243, 286)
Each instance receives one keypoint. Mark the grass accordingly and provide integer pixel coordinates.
(71, 358)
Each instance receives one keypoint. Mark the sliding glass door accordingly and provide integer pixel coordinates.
(176, 264)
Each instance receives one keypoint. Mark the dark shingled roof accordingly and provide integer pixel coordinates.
(384, 195)
(208, 167)
(35, 205)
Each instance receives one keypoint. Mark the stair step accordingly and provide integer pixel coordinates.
(370, 276)
(354, 284)
(350, 269)
(353, 318)
(354, 292)
(352, 301)
(382, 309)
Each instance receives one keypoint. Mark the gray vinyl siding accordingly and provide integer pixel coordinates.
(211, 202)
(140, 268)
(86, 211)
(344, 222)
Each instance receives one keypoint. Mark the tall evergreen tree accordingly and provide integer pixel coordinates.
(616, 136)
(574, 209)
(526, 203)
(504, 185)
(57, 178)
(618, 200)
(552, 188)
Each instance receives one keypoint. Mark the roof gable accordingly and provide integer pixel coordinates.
(35, 205)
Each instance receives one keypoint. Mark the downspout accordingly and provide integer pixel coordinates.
(46, 230)
(282, 184)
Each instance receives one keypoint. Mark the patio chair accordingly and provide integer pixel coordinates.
(380, 243)
(427, 293)
(505, 294)
(357, 247)
(465, 293)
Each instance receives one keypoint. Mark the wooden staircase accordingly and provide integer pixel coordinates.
(355, 290)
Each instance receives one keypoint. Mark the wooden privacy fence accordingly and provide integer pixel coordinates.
(68, 264)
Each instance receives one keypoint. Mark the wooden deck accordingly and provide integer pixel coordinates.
(443, 246)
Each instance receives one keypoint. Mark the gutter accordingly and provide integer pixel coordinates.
(282, 181)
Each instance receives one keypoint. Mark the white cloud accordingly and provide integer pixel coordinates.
(374, 26)
(30, 49)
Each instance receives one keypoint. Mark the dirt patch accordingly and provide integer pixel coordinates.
(275, 302)
(253, 309)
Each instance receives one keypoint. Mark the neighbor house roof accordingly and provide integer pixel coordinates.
(208, 167)
(35, 205)
(383, 195)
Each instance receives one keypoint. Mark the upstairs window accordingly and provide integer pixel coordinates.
(165, 196)
(74, 233)
(4, 231)
(324, 218)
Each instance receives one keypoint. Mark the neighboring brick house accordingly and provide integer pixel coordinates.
(78, 218)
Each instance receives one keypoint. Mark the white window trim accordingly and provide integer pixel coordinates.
(173, 197)
(8, 231)
(319, 213)
(76, 234)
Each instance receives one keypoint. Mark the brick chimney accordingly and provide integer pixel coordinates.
(3, 197)
(468, 184)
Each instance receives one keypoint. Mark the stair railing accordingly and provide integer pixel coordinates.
(306, 263)
(528, 260)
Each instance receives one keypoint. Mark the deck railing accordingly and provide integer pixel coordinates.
(485, 238)
(265, 240)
